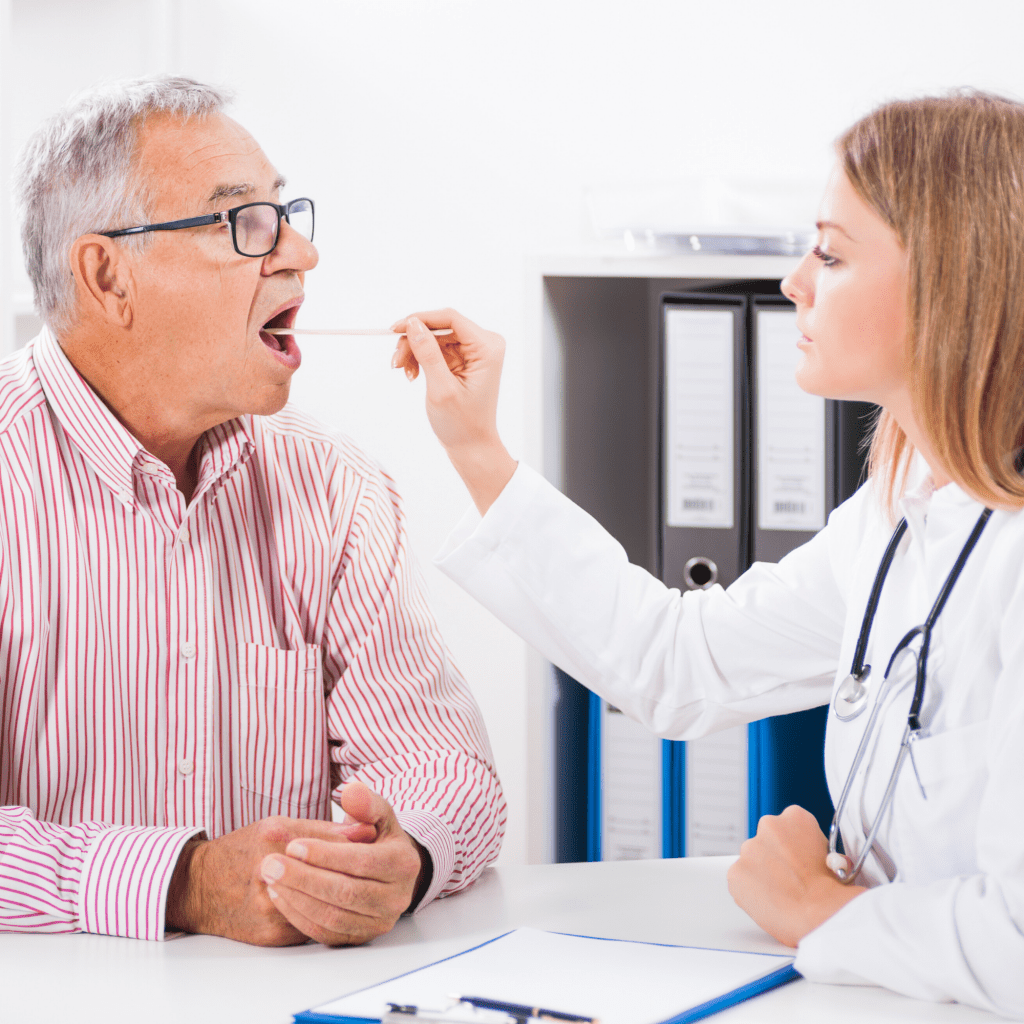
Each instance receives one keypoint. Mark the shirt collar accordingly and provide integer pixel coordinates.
(106, 444)
(224, 446)
(943, 509)
(90, 426)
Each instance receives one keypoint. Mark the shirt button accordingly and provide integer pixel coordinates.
(184, 536)
(188, 649)
(185, 766)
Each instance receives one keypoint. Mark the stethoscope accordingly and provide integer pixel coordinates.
(851, 696)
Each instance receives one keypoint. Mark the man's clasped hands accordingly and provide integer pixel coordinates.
(281, 881)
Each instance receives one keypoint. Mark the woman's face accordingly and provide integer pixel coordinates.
(850, 293)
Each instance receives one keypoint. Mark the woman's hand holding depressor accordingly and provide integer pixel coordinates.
(462, 372)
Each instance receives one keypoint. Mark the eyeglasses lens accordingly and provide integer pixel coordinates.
(257, 226)
(256, 229)
(300, 217)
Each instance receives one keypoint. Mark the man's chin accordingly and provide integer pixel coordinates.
(273, 399)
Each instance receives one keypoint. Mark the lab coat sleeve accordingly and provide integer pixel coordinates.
(682, 664)
(961, 938)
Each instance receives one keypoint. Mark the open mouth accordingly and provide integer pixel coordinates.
(279, 342)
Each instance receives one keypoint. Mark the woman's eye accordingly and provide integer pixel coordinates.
(826, 259)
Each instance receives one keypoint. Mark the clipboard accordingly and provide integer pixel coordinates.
(612, 980)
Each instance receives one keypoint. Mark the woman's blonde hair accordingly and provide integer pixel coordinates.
(947, 175)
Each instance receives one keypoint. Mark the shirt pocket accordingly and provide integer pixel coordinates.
(938, 830)
(282, 741)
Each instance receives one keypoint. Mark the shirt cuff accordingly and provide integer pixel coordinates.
(435, 836)
(487, 532)
(822, 953)
(125, 879)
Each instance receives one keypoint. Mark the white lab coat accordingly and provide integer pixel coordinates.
(950, 926)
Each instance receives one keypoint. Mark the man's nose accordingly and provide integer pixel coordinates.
(292, 252)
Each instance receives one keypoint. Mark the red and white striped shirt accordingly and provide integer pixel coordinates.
(167, 668)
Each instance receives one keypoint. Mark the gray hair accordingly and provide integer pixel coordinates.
(77, 175)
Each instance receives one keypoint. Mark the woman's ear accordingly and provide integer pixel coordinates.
(103, 280)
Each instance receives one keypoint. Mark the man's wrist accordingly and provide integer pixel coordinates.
(425, 876)
(181, 909)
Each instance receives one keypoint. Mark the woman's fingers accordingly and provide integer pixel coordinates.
(463, 374)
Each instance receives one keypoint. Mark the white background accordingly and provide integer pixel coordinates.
(448, 142)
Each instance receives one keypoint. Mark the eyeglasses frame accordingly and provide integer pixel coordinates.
(224, 216)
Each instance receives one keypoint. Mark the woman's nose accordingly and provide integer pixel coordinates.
(796, 285)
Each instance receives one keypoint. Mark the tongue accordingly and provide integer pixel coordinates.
(272, 341)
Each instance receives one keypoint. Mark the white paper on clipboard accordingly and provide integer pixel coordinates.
(618, 982)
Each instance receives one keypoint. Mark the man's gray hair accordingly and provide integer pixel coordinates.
(77, 175)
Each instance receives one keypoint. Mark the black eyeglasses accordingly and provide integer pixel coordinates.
(255, 227)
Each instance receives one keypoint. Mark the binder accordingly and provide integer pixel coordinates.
(750, 467)
(706, 532)
(574, 975)
(808, 458)
(789, 437)
(809, 452)
(704, 454)
(634, 789)
(637, 784)
(804, 457)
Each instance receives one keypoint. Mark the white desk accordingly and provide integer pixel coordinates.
(87, 978)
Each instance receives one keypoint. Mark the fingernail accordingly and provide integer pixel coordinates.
(273, 869)
(272, 893)
(394, 360)
(399, 325)
(409, 374)
(413, 326)
(297, 850)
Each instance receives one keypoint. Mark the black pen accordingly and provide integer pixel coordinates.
(521, 1012)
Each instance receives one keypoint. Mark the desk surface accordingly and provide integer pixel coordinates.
(86, 978)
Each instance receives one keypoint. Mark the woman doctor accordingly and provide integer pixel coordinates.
(912, 298)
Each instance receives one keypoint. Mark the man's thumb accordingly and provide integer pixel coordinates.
(361, 804)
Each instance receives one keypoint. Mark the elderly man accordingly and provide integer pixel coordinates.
(210, 619)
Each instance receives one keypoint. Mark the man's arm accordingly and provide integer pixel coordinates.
(89, 877)
(400, 716)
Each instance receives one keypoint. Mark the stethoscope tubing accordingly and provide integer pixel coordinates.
(912, 729)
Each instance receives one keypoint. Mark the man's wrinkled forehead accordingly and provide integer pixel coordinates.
(204, 163)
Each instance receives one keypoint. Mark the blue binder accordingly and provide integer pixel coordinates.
(671, 768)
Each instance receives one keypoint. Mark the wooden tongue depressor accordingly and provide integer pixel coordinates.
(356, 331)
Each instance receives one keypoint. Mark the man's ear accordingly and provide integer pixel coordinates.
(103, 279)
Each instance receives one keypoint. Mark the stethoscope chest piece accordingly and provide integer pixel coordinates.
(851, 695)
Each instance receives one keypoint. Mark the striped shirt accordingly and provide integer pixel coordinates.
(167, 668)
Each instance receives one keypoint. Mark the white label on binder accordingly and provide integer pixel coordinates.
(630, 788)
(699, 474)
(716, 793)
(790, 431)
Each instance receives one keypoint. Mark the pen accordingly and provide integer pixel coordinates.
(520, 1011)
(456, 1013)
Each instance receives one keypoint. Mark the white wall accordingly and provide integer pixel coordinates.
(448, 141)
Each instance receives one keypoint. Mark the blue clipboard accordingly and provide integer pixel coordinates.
(360, 1007)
